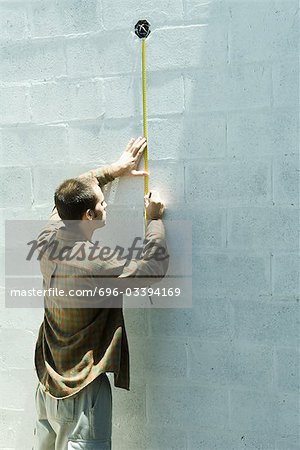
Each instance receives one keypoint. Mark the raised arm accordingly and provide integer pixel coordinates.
(126, 165)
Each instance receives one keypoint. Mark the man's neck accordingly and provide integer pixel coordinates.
(86, 229)
(82, 228)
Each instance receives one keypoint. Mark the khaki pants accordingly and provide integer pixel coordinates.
(80, 422)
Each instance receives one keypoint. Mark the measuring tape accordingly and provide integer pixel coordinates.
(145, 115)
(142, 30)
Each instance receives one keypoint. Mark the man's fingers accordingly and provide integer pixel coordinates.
(139, 173)
(138, 145)
(147, 196)
(134, 145)
(155, 197)
(136, 142)
(129, 145)
(140, 151)
(146, 200)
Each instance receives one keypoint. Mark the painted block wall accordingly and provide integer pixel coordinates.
(224, 149)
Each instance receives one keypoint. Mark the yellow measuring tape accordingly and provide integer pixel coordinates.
(145, 121)
(142, 30)
(145, 114)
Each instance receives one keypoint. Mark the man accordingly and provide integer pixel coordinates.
(76, 346)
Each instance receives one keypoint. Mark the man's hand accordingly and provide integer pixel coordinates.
(128, 162)
(154, 206)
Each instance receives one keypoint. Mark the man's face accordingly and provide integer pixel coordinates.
(99, 214)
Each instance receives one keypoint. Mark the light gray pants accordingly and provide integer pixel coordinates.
(80, 422)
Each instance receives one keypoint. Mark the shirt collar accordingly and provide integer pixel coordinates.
(71, 232)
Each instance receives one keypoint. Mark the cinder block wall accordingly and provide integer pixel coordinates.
(223, 126)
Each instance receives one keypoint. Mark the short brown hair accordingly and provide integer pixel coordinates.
(74, 196)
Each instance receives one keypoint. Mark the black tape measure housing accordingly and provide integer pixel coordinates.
(142, 29)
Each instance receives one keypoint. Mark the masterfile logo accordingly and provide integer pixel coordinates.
(58, 267)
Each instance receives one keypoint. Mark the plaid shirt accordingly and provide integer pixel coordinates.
(75, 345)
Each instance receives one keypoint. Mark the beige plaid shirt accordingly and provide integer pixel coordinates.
(76, 344)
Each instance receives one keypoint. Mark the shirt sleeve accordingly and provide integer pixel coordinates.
(155, 261)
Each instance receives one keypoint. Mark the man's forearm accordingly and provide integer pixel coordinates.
(104, 174)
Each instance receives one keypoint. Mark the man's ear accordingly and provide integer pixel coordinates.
(89, 214)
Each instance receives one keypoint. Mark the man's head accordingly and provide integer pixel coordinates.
(81, 199)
